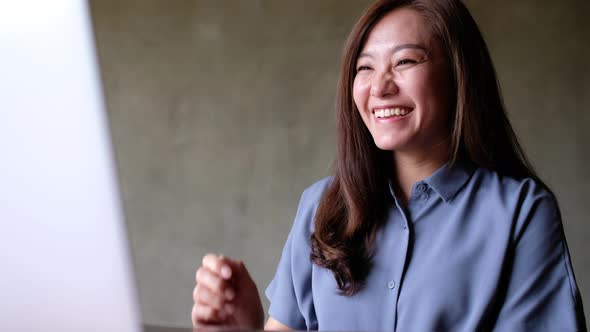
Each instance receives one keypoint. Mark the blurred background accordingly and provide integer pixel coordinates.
(222, 113)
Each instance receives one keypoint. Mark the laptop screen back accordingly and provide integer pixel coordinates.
(65, 263)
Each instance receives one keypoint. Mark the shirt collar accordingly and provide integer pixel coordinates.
(448, 180)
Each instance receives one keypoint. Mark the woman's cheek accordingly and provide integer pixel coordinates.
(359, 95)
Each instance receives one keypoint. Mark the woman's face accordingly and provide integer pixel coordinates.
(402, 86)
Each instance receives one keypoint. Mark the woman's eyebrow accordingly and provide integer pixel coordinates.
(404, 46)
(396, 49)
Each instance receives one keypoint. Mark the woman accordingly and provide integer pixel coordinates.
(434, 219)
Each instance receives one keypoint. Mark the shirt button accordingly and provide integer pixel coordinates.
(391, 284)
(422, 187)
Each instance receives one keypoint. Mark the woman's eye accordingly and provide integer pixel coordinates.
(405, 62)
(361, 68)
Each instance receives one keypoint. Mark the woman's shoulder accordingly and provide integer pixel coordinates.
(510, 186)
(518, 195)
(308, 204)
(314, 192)
(514, 202)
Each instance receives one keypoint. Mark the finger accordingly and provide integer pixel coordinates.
(194, 316)
(214, 282)
(238, 268)
(218, 264)
(204, 295)
(202, 314)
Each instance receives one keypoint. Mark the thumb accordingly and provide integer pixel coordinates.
(238, 269)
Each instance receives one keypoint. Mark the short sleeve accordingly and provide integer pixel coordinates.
(541, 292)
(290, 291)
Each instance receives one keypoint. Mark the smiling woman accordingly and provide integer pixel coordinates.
(434, 219)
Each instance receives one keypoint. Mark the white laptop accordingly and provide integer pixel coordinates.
(64, 258)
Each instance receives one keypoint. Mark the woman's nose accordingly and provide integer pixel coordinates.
(383, 85)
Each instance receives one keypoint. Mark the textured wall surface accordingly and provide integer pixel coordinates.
(222, 113)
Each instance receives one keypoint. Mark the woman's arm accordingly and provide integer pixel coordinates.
(274, 325)
(540, 293)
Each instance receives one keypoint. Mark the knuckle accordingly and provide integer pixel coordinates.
(199, 312)
(194, 316)
(216, 301)
(202, 274)
(218, 284)
(203, 295)
(216, 264)
(207, 258)
(210, 280)
(206, 313)
(196, 292)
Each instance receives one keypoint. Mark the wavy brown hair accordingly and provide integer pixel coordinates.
(355, 204)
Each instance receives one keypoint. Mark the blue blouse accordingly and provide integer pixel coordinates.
(472, 251)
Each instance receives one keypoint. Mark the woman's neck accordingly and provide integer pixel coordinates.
(410, 168)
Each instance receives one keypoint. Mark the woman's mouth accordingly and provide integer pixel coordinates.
(385, 113)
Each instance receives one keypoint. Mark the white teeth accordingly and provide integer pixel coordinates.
(387, 112)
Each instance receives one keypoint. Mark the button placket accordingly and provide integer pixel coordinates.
(395, 276)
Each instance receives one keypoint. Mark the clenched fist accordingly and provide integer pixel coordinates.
(226, 295)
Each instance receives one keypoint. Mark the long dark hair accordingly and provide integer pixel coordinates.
(355, 204)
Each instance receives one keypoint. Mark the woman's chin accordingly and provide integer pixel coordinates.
(388, 144)
(387, 147)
